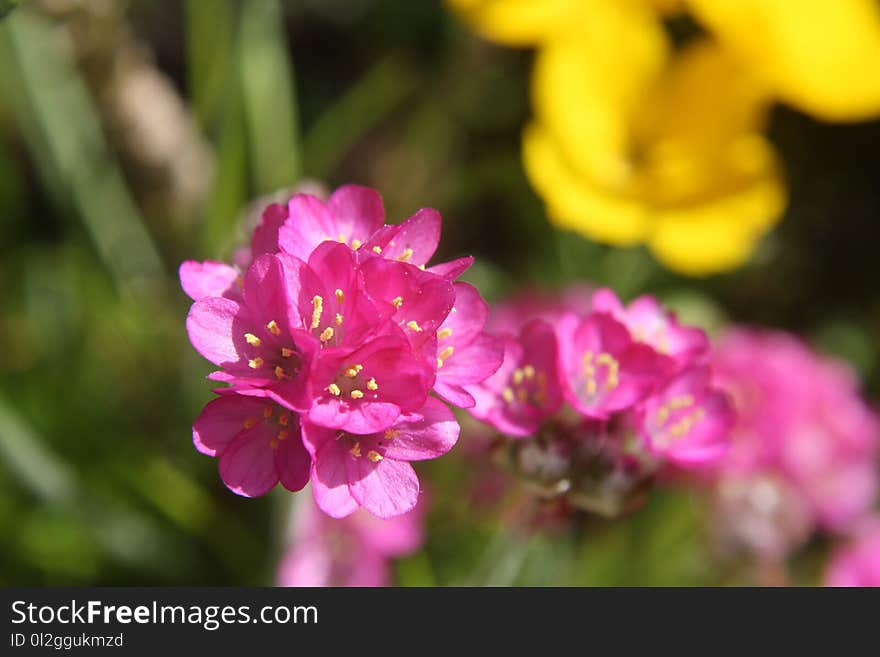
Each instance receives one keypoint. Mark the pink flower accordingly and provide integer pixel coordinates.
(257, 442)
(258, 341)
(354, 551)
(465, 353)
(524, 391)
(511, 314)
(651, 324)
(687, 422)
(858, 562)
(602, 369)
(801, 419)
(372, 470)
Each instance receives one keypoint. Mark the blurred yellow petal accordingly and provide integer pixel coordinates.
(574, 202)
(821, 56)
(585, 90)
(518, 22)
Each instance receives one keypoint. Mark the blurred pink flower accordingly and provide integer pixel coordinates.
(801, 420)
(857, 563)
(354, 551)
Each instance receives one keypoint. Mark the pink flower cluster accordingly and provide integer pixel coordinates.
(628, 378)
(353, 551)
(330, 339)
(804, 448)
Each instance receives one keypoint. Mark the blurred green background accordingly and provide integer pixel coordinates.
(133, 135)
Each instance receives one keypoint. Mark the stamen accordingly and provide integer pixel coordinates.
(446, 353)
(372, 385)
(340, 297)
(529, 371)
(357, 394)
(338, 319)
(282, 435)
(279, 372)
(255, 363)
(318, 308)
(286, 353)
(374, 456)
(353, 371)
(397, 302)
(334, 390)
(283, 419)
(356, 244)
(273, 328)
(391, 434)
(406, 255)
(341, 238)
(326, 335)
(518, 376)
(414, 325)
(251, 421)
(252, 339)
(507, 394)
(377, 250)
(273, 444)
(267, 412)
(355, 451)
(444, 333)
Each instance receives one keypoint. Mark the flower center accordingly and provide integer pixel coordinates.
(599, 370)
(526, 386)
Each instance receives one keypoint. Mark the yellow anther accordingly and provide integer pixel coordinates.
(372, 385)
(529, 371)
(377, 250)
(286, 353)
(507, 394)
(518, 376)
(273, 328)
(374, 456)
(338, 319)
(279, 372)
(353, 371)
(414, 326)
(340, 297)
(341, 238)
(444, 333)
(267, 412)
(355, 451)
(391, 434)
(334, 390)
(283, 419)
(357, 394)
(317, 309)
(397, 302)
(356, 244)
(591, 387)
(282, 435)
(255, 363)
(439, 363)
(239, 281)
(273, 444)
(446, 353)
(251, 421)
(252, 339)
(326, 334)
(422, 267)
(405, 255)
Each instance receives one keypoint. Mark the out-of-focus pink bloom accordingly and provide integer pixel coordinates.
(525, 390)
(466, 354)
(801, 419)
(354, 551)
(602, 370)
(688, 422)
(257, 442)
(858, 562)
(372, 470)
(511, 314)
(650, 323)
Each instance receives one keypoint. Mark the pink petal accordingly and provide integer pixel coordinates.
(247, 465)
(473, 363)
(415, 240)
(210, 328)
(329, 478)
(208, 279)
(454, 394)
(453, 268)
(357, 213)
(223, 419)
(292, 462)
(385, 489)
(426, 434)
(308, 224)
(265, 237)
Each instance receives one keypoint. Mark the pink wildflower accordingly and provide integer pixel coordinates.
(857, 563)
(372, 470)
(354, 551)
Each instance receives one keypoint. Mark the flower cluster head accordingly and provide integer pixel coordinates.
(354, 551)
(804, 448)
(598, 396)
(330, 337)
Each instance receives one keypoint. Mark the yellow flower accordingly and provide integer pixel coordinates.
(634, 141)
